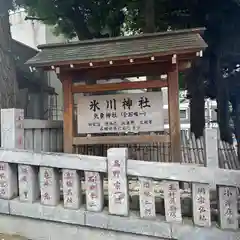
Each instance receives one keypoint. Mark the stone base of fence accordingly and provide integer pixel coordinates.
(37, 222)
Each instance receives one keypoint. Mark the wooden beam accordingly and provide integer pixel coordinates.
(135, 139)
(119, 71)
(174, 114)
(68, 113)
(42, 124)
(119, 86)
(125, 60)
(126, 70)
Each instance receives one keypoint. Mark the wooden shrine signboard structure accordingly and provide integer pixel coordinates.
(121, 117)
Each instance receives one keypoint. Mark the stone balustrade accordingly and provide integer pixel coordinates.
(98, 192)
(71, 188)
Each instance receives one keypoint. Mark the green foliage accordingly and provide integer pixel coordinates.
(182, 83)
(79, 18)
(212, 76)
(99, 18)
(205, 78)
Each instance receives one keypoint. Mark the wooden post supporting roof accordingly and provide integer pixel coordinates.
(68, 113)
(174, 114)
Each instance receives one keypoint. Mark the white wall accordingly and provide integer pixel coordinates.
(31, 33)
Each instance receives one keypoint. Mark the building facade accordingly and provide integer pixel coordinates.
(34, 33)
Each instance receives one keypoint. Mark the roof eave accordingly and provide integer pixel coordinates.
(163, 55)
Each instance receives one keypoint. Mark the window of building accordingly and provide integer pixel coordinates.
(183, 114)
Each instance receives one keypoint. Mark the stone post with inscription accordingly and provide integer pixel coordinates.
(12, 136)
(28, 181)
(12, 131)
(147, 198)
(228, 207)
(172, 201)
(211, 148)
(49, 186)
(117, 181)
(8, 181)
(94, 191)
(201, 204)
(72, 194)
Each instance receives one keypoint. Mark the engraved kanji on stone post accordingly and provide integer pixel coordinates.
(8, 181)
(28, 181)
(228, 207)
(172, 202)
(12, 129)
(94, 191)
(201, 204)
(147, 198)
(49, 186)
(117, 181)
(72, 194)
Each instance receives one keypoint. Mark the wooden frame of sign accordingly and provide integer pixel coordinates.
(70, 139)
(122, 57)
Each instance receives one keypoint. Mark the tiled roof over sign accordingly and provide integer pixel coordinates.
(164, 43)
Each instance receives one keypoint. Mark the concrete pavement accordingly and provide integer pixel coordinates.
(11, 237)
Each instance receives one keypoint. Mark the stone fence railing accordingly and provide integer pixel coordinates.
(69, 188)
(98, 192)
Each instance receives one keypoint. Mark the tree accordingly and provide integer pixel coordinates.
(215, 75)
(83, 19)
(8, 80)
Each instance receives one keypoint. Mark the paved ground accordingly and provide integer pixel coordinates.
(11, 237)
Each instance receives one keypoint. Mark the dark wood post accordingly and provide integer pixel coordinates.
(174, 114)
(68, 113)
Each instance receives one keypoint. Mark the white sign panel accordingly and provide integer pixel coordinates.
(136, 112)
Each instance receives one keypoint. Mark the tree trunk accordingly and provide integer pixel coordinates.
(150, 27)
(8, 79)
(238, 130)
(149, 13)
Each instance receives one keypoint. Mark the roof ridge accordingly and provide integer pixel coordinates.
(122, 38)
(158, 44)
